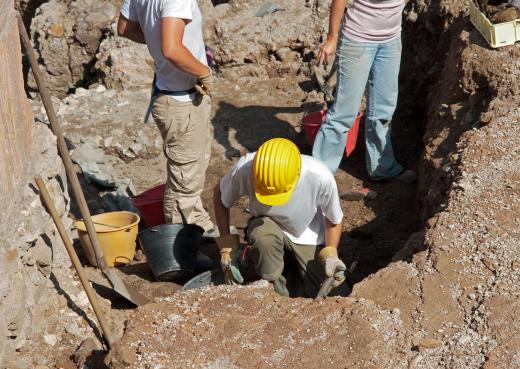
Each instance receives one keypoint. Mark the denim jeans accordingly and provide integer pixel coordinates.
(361, 65)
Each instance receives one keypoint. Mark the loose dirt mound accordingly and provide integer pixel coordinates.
(251, 327)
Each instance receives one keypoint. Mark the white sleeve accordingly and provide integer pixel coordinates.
(177, 9)
(232, 185)
(330, 204)
(128, 10)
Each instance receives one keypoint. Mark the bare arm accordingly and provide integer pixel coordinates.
(221, 212)
(172, 32)
(327, 50)
(332, 233)
(130, 30)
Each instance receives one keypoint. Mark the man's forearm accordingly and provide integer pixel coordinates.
(332, 233)
(173, 49)
(184, 60)
(221, 212)
(337, 10)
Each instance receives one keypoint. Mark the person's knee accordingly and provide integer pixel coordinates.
(266, 251)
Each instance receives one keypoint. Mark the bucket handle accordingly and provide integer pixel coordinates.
(118, 259)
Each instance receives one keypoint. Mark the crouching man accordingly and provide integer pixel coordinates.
(296, 209)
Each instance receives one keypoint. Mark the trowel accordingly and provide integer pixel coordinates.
(326, 79)
(214, 277)
(327, 285)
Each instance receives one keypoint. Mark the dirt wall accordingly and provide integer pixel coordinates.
(27, 234)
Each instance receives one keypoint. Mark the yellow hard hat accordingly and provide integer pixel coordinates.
(276, 169)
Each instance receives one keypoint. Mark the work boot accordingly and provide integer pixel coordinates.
(406, 176)
(280, 286)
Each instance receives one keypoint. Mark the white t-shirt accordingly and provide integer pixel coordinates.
(302, 217)
(149, 14)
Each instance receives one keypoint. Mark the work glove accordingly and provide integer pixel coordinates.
(205, 84)
(334, 267)
(229, 258)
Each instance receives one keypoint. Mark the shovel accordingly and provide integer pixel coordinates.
(74, 258)
(117, 283)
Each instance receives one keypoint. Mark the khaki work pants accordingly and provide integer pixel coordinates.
(274, 254)
(185, 129)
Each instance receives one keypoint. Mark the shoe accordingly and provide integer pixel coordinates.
(406, 176)
(280, 286)
(355, 195)
(214, 233)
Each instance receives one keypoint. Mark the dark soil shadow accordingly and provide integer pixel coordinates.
(393, 215)
(253, 125)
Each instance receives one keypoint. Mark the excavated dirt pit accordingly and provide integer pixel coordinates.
(450, 302)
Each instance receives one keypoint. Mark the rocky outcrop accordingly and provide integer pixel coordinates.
(122, 64)
(29, 246)
(276, 44)
(67, 35)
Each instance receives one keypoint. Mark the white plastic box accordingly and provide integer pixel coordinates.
(497, 35)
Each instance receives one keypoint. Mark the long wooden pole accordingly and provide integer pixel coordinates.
(75, 260)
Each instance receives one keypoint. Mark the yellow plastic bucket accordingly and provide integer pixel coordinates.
(116, 232)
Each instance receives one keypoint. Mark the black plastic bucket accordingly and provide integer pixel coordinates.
(171, 250)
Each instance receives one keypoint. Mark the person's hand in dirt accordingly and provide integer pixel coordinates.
(334, 267)
(229, 258)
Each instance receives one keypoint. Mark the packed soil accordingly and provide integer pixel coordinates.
(436, 284)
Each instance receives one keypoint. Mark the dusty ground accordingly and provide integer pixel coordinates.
(451, 305)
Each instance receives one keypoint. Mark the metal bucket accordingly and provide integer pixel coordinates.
(171, 250)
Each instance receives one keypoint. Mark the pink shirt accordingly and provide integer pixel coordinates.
(373, 20)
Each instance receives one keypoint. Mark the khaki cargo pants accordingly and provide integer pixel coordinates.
(274, 254)
(185, 129)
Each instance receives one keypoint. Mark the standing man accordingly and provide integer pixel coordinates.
(181, 97)
(367, 41)
(295, 206)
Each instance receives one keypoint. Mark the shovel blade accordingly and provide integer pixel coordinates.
(123, 289)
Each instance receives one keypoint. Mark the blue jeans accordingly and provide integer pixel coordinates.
(376, 67)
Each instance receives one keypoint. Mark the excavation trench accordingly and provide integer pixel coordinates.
(443, 96)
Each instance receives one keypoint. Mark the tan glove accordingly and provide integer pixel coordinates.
(334, 267)
(229, 253)
(205, 84)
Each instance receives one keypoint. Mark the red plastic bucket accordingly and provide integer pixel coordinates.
(150, 205)
(313, 121)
